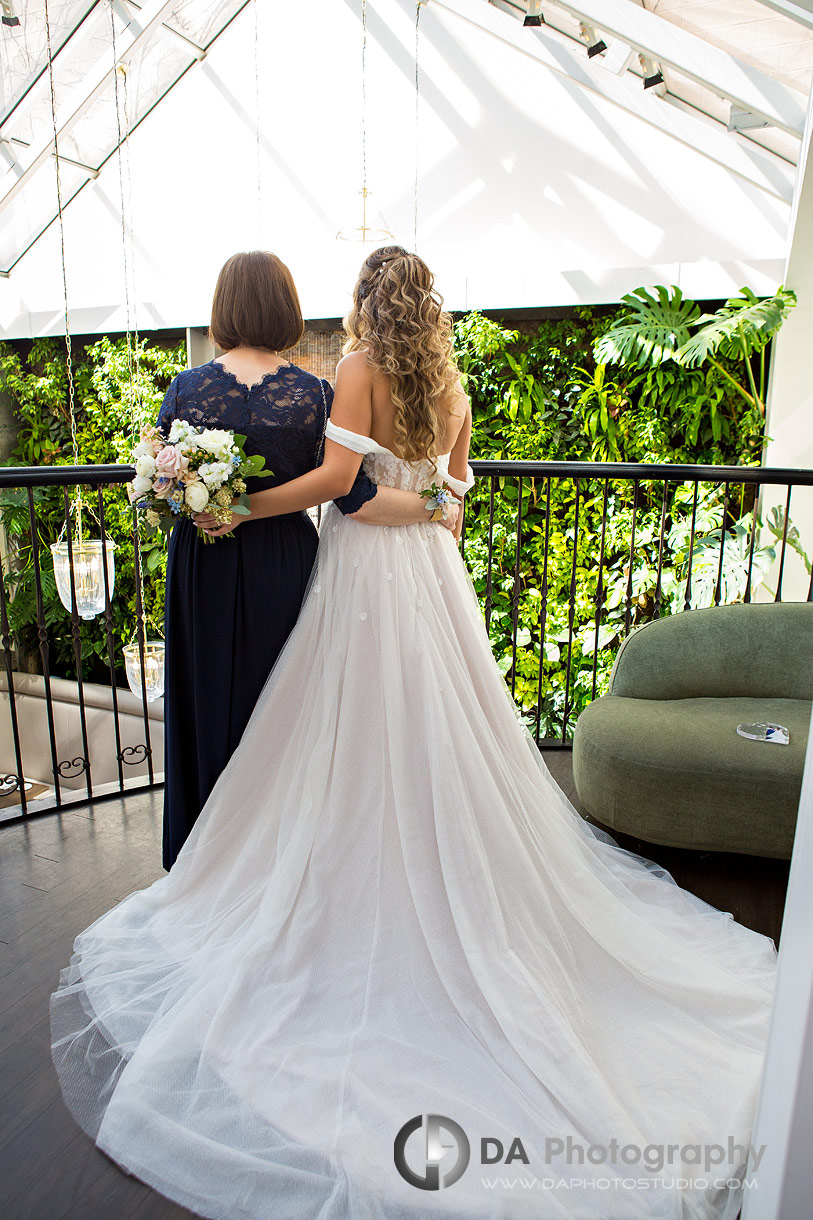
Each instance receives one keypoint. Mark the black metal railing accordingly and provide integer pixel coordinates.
(94, 479)
(567, 558)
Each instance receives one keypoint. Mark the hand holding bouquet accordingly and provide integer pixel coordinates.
(194, 469)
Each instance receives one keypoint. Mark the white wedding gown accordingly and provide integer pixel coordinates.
(388, 909)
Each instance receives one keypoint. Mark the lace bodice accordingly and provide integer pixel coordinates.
(388, 470)
(282, 417)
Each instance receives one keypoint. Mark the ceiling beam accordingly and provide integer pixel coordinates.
(124, 7)
(151, 17)
(567, 58)
(150, 14)
(82, 37)
(797, 10)
(706, 65)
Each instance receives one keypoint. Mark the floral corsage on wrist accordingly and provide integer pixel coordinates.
(438, 500)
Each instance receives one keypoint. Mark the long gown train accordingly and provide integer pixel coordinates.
(388, 910)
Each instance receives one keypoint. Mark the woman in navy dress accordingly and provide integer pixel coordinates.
(231, 604)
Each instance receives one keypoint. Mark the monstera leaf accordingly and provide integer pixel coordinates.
(730, 578)
(741, 327)
(651, 330)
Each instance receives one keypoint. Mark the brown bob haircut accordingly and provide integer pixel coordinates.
(256, 304)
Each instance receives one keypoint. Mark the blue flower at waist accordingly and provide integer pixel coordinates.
(437, 499)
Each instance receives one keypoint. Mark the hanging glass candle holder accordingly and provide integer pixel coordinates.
(88, 573)
(153, 668)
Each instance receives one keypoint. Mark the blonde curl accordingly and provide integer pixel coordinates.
(397, 319)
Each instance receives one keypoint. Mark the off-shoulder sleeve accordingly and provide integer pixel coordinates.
(169, 407)
(363, 489)
(461, 486)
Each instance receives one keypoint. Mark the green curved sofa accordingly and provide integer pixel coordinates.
(659, 757)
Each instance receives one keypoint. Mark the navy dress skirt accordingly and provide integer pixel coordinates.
(230, 604)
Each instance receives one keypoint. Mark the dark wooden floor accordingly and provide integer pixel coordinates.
(57, 874)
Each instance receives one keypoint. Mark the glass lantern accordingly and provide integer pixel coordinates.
(153, 667)
(88, 574)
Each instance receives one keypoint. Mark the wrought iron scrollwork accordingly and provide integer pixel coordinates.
(134, 754)
(80, 763)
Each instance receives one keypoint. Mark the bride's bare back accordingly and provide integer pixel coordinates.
(364, 391)
(452, 415)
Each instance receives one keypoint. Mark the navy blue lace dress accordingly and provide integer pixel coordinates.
(231, 604)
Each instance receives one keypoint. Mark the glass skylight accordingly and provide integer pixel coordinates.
(155, 44)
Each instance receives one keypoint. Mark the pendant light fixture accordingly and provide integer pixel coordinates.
(87, 555)
(373, 232)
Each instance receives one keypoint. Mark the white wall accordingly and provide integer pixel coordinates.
(789, 415)
(532, 189)
(785, 1109)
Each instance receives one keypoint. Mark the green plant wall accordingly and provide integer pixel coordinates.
(543, 395)
(115, 383)
(537, 394)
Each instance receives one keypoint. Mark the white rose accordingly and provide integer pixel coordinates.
(143, 449)
(216, 439)
(145, 465)
(197, 497)
(141, 485)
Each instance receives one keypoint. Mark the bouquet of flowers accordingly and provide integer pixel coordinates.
(192, 470)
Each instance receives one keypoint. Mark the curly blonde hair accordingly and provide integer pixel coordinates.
(397, 319)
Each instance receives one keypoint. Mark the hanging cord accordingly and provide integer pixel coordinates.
(418, 7)
(68, 349)
(364, 96)
(120, 70)
(138, 401)
(364, 117)
(128, 259)
(257, 120)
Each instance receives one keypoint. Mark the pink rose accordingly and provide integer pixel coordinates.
(169, 462)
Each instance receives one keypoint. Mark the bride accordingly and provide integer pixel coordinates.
(393, 973)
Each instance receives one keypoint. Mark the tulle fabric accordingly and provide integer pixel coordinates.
(388, 908)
